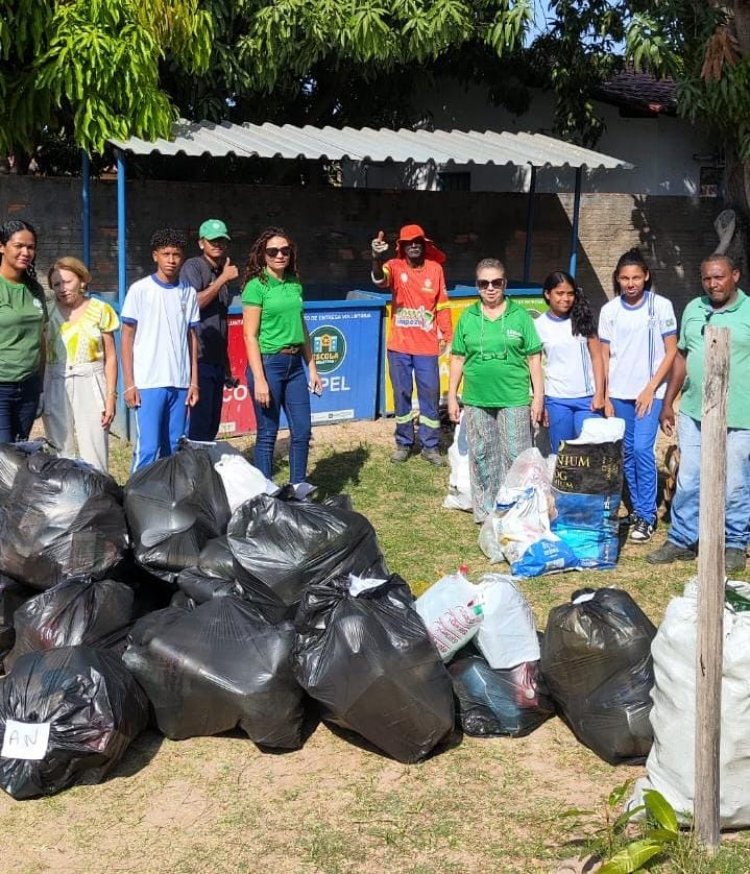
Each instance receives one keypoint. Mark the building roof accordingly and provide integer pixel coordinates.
(367, 144)
(640, 91)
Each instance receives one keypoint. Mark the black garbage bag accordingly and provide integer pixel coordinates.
(174, 507)
(12, 596)
(284, 546)
(217, 667)
(511, 702)
(62, 519)
(368, 659)
(13, 457)
(94, 613)
(596, 660)
(83, 701)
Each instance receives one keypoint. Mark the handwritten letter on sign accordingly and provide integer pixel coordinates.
(25, 740)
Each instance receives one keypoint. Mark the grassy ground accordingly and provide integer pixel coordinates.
(219, 805)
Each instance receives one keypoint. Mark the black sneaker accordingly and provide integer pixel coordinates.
(642, 531)
(669, 552)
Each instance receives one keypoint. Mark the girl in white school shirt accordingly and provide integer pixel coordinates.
(638, 333)
(573, 368)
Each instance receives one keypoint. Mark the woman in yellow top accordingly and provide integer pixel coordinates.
(80, 381)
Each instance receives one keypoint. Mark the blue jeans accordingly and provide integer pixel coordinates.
(287, 384)
(639, 458)
(18, 405)
(686, 503)
(566, 417)
(160, 422)
(206, 414)
(404, 370)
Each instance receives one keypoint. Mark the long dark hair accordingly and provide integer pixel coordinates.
(581, 318)
(631, 258)
(13, 226)
(256, 260)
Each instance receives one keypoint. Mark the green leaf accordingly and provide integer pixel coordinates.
(661, 810)
(632, 858)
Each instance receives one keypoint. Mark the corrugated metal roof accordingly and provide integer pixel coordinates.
(367, 144)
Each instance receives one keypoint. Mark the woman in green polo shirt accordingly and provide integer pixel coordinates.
(497, 352)
(277, 343)
(23, 315)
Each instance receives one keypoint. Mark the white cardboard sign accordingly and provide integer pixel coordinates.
(25, 740)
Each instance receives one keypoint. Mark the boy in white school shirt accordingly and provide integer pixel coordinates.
(160, 351)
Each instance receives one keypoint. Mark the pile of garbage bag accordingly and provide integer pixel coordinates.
(519, 531)
(177, 599)
(487, 635)
(561, 513)
(670, 767)
(596, 661)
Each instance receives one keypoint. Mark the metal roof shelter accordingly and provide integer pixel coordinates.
(369, 144)
(199, 139)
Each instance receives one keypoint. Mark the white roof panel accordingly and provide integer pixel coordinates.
(368, 144)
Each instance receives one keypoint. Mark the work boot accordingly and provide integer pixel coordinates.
(433, 456)
(734, 559)
(400, 454)
(669, 552)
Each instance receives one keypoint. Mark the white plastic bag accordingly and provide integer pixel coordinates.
(670, 766)
(459, 484)
(241, 480)
(507, 635)
(450, 611)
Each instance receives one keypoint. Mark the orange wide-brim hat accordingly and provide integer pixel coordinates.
(413, 232)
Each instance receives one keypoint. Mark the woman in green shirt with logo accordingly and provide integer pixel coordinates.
(277, 343)
(23, 315)
(497, 352)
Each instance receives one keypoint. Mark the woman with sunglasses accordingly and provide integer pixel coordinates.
(277, 343)
(496, 351)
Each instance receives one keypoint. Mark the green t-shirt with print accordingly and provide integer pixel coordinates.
(23, 314)
(698, 314)
(495, 353)
(281, 307)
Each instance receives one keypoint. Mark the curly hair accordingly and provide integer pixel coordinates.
(582, 321)
(256, 259)
(14, 226)
(631, 258)
(168, 238)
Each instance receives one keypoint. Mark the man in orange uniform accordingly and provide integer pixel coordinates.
(420, 329)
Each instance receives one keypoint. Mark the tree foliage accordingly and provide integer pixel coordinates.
(92, 67)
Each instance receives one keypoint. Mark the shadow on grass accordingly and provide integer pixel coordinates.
(139, 754)
(335, 472)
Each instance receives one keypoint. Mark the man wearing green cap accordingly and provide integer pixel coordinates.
(209, 274)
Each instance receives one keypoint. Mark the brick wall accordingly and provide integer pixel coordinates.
(333, 227)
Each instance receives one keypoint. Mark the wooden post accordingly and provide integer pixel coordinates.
(711, 575)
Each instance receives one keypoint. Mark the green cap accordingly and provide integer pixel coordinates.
(213, 229)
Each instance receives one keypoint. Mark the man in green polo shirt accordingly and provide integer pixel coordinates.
(723, 305)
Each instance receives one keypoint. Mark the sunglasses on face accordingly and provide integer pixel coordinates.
(484, 284)
(275, 251)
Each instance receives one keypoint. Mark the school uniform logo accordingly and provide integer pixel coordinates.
(328, 348)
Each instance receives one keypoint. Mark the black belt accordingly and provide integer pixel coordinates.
(289, 350)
